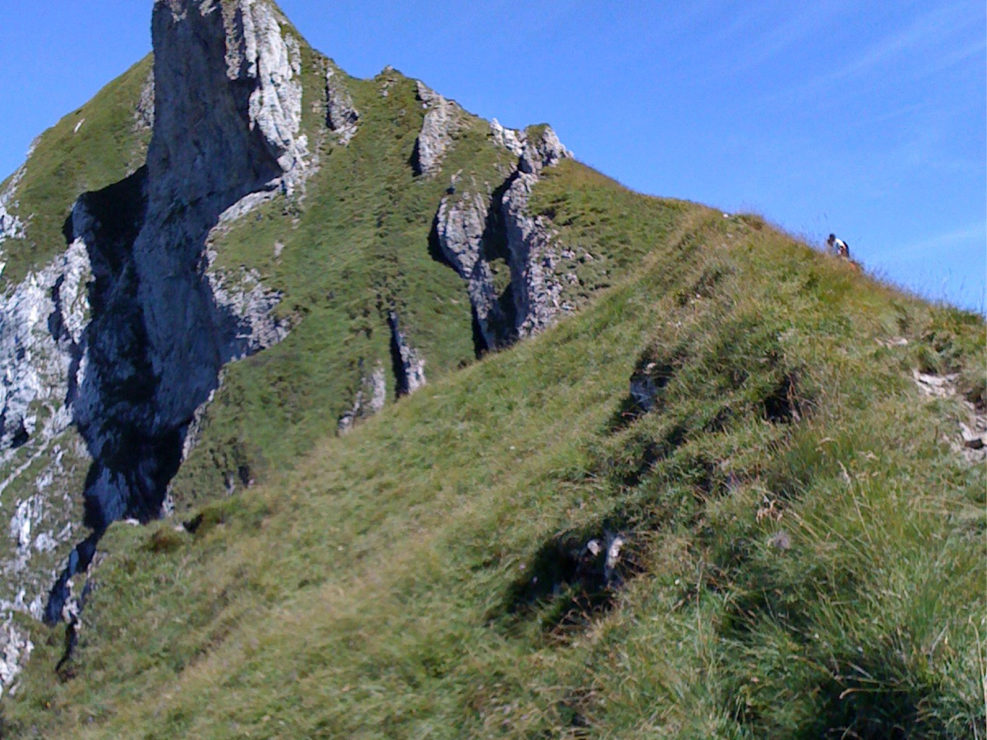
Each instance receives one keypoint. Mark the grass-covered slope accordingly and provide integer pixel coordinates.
(355, 246)
(351, 250)
(804, 549)
(99, 144)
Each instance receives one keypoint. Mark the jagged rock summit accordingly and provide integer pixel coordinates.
(114, 346)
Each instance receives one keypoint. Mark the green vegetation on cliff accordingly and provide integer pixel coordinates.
(95, 146)
(803, 548)
(714, 501)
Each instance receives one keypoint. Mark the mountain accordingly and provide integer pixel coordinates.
(438, 432)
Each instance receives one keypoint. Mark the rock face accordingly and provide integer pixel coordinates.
(507, 138)
(341, 116)
(969, 439)
(535, 279)
(473, 229)
(10, 226)
(16, 649)
(440, 123)
(162, 324)
(233, 136)
(244, 71)
(249, 307)
(461, 227)
(42, 322)
(108, 351)
(644, 389)
(409, 365)
(40, 339)
(369, 399)
(144, 113)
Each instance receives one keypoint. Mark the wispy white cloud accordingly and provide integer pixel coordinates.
(931, 36)
(753, 36)
(973, 234)
(770, 40)
(949, 266)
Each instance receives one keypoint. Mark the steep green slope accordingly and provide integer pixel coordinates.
(357, 245)
(356, 249)
(803, 548)
(95, 146)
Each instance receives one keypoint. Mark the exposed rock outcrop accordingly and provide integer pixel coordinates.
(15, 649)
(536, 278)
(461, 227)
(252, 323)
(11, 227)
(643, 388)
(234, 134)
(41, 327)
(369, 399)
(507, 138)
(144, 112)
(226, 128)
(474, 228)
(42, 342)
(120, 339)
(442, 119)
(536, 287)
(409, 365)
(341, 116)
(969, 438)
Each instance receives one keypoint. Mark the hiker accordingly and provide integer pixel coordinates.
(838, 247)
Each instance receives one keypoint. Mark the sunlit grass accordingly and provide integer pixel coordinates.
(799, 576)
(804, 551)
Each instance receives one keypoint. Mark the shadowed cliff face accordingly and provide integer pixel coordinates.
(112, 349)
(228, 113)
(227, 118)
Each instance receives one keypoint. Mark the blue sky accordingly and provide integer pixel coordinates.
(862, 118)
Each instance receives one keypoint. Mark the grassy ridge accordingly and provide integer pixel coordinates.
(804, 552)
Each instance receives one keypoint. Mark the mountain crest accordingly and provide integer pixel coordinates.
(738, 482)
(227, 86)
(126, 330)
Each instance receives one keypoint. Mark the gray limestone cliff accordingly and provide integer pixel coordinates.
(162, 323)
(144, 112)
(461, 226)
(226, 128)
(341, 116)
(109, 350)
(536, 275)
(11, 227)
(237, 134)
(409, 365)
(42, 458)
(369, 399)
(474, 227)
(441, 120)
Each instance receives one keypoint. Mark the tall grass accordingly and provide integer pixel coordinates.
(804, 552)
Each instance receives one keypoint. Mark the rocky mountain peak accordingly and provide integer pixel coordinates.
(227, 85)
(113, 345)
